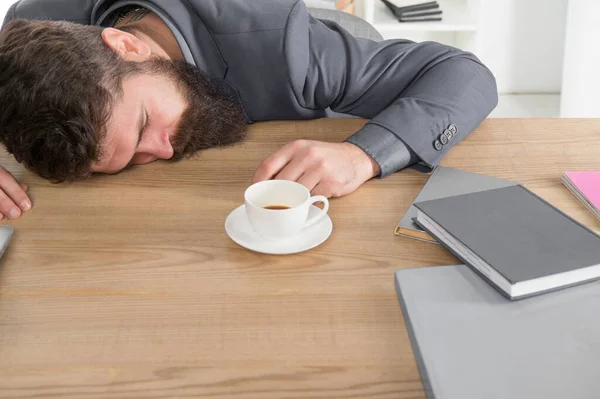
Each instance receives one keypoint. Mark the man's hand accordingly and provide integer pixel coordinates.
(13, 196)
(329, 169)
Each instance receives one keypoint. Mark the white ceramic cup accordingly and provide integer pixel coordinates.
(277, 224)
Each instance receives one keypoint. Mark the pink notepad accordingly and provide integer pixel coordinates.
(586, 187)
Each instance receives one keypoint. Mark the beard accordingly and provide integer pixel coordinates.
(213, 117)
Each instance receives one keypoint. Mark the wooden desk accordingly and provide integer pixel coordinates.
(128, 287)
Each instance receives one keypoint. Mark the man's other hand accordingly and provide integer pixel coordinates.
(13, 196)
(329, 169)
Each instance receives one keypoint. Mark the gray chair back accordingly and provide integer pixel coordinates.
(357, 26)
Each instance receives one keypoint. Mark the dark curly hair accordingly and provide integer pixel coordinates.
(58, 82)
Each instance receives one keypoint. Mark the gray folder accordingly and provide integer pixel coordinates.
(446, 182)
(470, 342)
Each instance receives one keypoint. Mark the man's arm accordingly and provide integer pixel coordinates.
(426, 96)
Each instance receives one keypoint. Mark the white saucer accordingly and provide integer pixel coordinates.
(239, 230)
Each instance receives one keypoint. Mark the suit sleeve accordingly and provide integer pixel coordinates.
(424, 96)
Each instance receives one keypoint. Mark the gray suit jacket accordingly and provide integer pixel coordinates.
(284, 64)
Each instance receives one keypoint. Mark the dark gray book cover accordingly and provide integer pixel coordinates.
(470, 342)
(521, 236)
(445, 182)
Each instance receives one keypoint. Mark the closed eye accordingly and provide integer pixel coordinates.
(143, 129)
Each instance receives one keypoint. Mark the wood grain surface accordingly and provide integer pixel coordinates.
(127, 286)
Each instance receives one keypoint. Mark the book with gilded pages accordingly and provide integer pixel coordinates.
(514, 239)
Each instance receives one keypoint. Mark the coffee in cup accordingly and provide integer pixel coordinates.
(278, 209)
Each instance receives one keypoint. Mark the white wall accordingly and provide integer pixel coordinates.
(522, 41)
(581, 80)
(4, 6)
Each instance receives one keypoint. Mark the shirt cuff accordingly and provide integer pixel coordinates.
(387, 149)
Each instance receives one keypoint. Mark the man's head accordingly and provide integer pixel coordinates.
(78, 99)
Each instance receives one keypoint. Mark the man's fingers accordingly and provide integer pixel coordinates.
(13, 199)
(293, 170)
(269, 167)
(309, 180)
(321, 189)
(25, 187)
(8, 207)
(17, 194)
(273, 164)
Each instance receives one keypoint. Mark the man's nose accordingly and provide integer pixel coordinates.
(158, 145)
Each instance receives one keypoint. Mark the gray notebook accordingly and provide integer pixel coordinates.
(472, 343)
(517, 241)
(6, 233)
(445, 182)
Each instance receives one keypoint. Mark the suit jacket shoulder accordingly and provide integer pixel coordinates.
(254, 45)
(243, 16)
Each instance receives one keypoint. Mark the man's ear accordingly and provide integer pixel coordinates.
(126, 45)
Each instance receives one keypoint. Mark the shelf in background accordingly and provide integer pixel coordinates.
(456, 17)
